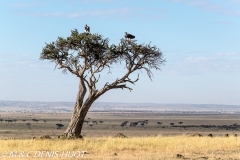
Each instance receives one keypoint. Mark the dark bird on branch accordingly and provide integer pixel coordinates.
(129, 36)
(87, 28)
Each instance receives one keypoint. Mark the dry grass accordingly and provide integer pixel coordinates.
(131, 148)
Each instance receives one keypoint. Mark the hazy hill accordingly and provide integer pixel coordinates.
(25, 106)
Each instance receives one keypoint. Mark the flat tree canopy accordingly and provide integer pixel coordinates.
(86, 55)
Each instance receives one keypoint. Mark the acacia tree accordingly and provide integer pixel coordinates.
(180, 123)
(87, 55)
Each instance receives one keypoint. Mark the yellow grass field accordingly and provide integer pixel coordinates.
(141, 148)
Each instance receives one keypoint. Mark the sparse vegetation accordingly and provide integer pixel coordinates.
(28, 124)
(59, 126)
(9, 121)
(95, 122)
(180, 123)
(35, 120)
(91, 125)
(86, 122)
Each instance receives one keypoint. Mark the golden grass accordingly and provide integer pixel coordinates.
(130, 148)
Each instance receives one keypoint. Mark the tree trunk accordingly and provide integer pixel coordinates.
(75, 126)
(80, 110)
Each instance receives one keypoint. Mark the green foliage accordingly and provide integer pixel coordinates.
(95, 48)
(86, 51)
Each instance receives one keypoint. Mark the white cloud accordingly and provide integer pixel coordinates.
(229, 54)
(219, 56)
(44, 14)
(27, 5)
(203, 4)
(22, 5)
(15, 63)
(177, 64)
(224, 22)
(97, 1)
(116, 13)
(235, 2)
(110, 9)
(210, 6)
(102, 13)
(221, 62)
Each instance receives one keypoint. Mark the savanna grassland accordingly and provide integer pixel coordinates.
(152, 140)
(45, 124)
(160, 147)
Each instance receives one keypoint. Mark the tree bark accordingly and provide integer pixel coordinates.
(79, 113)
(76, 123)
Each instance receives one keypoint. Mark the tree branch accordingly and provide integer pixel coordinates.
(68, 68)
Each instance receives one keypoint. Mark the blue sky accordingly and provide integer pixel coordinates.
(199, 39)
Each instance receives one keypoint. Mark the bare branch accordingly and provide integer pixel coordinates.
(122, 86)
(106, 84)
(69, 69)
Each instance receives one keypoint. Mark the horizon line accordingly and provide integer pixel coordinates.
(127, 102)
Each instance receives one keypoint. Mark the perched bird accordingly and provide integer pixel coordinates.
(129, 36)
(87, 28)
